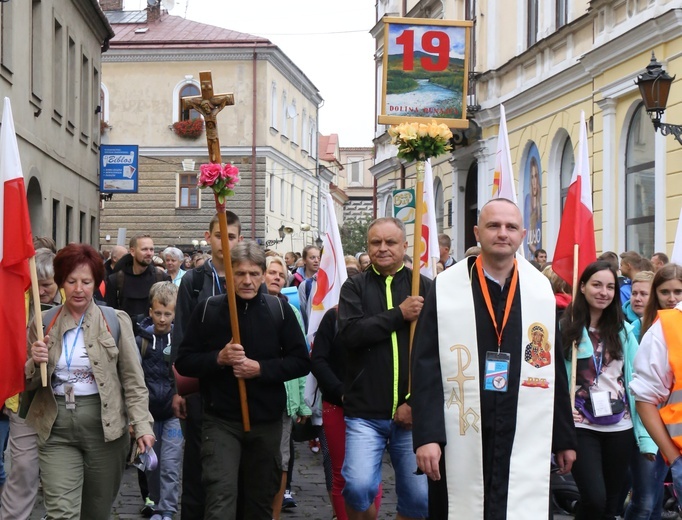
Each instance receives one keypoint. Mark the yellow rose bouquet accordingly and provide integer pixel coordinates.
(420, 141)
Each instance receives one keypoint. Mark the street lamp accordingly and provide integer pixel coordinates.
(654, 87)
(318, 243)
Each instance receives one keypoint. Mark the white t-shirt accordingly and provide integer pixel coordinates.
(74, 366)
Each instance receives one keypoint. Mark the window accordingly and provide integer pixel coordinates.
(304, 131)
(438, 203)
(532, 22)
(292, 201)
(58, 70)
(188, 90)
(294, 118)
(71, 85)
(85, 98)
(303, 215)
(69, 224)
(312, 148)
(388, 206)
(81, 228)
(6, 27)
(282, 197)
(354, 171)
(96, 93)
(567, 167)
(272, 192)
(283, 130)
(55, 220)
(273, 105)
(639, 185)
(37, 50)
(312, 208)
(93, 230)
(188, 190)
(561, 12)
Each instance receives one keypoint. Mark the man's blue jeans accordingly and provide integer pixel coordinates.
(366, 441)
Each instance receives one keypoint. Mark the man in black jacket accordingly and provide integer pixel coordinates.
(134, 274)
(375, 311)
(272, 351)
(488, 413)
(196, 285)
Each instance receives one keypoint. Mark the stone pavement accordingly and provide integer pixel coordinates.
(308, 489)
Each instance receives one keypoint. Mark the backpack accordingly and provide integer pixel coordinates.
(110, 319)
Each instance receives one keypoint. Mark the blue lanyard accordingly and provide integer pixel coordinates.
(598, 367)
(69, 355)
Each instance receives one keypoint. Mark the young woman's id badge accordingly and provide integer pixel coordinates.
(496, 371)
(601, 403)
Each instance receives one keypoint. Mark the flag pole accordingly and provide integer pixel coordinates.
(416, 254)
(38, 315)
(574, 347)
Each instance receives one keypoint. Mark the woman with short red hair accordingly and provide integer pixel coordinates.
(96, 390)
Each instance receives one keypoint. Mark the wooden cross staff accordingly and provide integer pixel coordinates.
(209, 104)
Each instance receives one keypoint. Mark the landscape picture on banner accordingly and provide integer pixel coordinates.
(532, 202)
(425, 74)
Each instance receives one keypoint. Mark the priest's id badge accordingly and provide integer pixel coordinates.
(496, 371)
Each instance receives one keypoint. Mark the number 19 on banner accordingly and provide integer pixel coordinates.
(425, 71)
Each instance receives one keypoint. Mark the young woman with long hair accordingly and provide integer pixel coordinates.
(603, 413)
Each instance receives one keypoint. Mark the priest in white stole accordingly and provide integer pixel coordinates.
(489, 388)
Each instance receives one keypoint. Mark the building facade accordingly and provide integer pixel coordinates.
(547, 61)
(50, 69)
(270, 133)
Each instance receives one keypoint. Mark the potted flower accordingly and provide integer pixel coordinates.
(104, 126)
(189, 128)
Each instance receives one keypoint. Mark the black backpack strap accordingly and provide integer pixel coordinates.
(276, 310)
(197, 281)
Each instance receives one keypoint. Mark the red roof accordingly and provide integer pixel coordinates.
(327, 145)
(172, 32)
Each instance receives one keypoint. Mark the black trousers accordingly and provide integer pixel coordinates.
(600, 471)
(193, 497)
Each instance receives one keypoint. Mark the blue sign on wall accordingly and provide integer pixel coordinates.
(118, 172)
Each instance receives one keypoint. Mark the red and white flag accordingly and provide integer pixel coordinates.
(577, 221)
(430, 251)
(503, 181)
(16, 247)
(331, 275)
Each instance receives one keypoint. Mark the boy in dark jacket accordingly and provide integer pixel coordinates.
(154, 342)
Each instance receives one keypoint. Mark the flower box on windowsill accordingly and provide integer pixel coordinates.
(190, 128)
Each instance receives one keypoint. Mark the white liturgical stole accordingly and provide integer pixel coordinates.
(528, 495)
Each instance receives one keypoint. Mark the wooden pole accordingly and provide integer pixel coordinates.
(574, 347)
(234, 318)
(416, 256)
(38, 315)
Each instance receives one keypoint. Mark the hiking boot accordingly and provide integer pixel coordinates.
(288, 501)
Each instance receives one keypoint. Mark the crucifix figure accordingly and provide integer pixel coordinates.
(208, 105)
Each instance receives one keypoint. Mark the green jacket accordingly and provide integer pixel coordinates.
(295, 388)
(116, 368)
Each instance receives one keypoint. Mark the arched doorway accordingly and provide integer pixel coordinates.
(471, 206)
(34, 196)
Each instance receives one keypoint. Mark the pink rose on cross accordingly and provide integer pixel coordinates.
(209, 174)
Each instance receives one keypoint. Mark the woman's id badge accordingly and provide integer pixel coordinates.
(69, 396)
(601, 403)
(496, 371)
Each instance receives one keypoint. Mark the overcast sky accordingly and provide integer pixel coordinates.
(328, 41)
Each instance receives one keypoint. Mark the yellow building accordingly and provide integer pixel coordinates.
(546, 61)
(270, 132)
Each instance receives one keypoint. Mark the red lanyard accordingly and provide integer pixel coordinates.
(488, 303)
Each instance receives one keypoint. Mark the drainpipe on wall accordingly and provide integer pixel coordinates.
(253, 155)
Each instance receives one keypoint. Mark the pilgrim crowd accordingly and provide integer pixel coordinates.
(480, 384)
